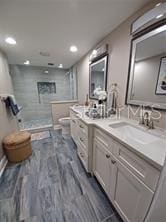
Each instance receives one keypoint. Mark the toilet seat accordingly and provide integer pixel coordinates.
(64, 121)
(65, 124)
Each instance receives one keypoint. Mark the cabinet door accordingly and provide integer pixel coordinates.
(103, 167)
(132, 198)
(73, 128)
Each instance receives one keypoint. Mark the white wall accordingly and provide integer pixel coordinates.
(119, 52)
(7, 121)
(83, 79)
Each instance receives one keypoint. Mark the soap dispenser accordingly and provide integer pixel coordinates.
(141, 119)
(87, 101)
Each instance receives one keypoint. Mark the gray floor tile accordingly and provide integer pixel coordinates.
(53, 172)
(8, 182)
(81, 209)
(32, 219)
(52, 216)
(29, 204)
(100, 202)
(52, 186)
(113, 218)
(32, 164)
(71, 187)
(7, 212)
(17, 198)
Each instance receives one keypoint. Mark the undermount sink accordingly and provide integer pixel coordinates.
(133, 133)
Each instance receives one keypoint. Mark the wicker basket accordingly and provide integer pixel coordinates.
(17, 146)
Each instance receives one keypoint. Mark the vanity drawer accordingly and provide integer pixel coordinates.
(73, 115)
(106, 140)
(83, 140)
(73, 119)
(83, 156)
(82, 127)
(143, 170)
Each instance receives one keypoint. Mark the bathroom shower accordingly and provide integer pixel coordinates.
(35, 89)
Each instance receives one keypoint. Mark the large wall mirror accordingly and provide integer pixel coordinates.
(147, 74)
(98, 76)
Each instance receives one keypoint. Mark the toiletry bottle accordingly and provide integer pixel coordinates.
(141, 118)
(87, 101)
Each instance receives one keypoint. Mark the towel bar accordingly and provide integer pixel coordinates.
(3, 98)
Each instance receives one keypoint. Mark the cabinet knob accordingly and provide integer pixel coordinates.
(73, 121)
(81, 127)
(81, 139)
(113, 161)
(107, 155)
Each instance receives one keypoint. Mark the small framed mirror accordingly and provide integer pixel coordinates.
(98, 76)
(147, 71)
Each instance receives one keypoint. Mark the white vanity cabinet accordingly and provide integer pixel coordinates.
(73, 126)
(131, 198)
(103, 166)
(104, 162)
(128, 180)
(82, 136)
(82, 143)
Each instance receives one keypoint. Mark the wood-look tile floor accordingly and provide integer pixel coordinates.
(52, 186)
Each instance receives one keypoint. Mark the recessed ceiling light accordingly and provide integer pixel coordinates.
(60, 66)
(158, 4)
(94, 52)
(10, 41)
(73, 48)
(46, 71)
(27, 62)
(159, 16)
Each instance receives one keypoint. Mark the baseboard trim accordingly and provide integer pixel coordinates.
(3, 164)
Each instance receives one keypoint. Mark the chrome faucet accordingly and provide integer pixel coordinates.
(148, 121)
(151, 123)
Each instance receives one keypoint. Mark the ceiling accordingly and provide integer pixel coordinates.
(54, 25)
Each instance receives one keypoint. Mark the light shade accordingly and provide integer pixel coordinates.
(27, 62)
(60, 66)
(159, 16)
(158, 4)
(94, 52)
(10, 41)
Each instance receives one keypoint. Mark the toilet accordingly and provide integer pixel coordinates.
(65, 124)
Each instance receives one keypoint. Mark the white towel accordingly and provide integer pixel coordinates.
(13, 98)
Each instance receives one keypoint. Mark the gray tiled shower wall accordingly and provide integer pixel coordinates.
(25, 80)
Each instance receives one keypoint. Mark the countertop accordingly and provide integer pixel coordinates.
(63, 101)
(153, 152)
